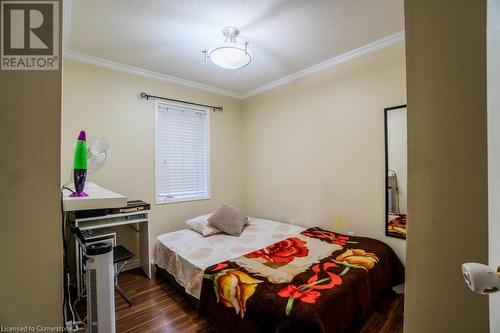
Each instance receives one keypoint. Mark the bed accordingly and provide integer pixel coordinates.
(185, 254)
(277, 277)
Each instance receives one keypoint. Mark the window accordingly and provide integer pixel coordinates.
(181, 144)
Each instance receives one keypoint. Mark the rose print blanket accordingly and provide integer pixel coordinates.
(317, 281)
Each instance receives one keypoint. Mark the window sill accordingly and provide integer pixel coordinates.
(179, 200)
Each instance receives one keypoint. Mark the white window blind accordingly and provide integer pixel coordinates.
(181, 153)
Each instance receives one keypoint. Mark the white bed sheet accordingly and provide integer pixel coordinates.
(186, 254)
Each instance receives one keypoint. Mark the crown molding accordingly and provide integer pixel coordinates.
(356, 53)
(85, 58)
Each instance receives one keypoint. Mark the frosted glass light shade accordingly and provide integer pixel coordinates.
(230, 56)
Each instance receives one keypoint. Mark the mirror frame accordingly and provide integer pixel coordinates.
(386, 169)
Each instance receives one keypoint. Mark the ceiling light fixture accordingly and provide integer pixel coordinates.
(230, 54)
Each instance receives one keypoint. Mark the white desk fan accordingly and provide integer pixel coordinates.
(97, 153)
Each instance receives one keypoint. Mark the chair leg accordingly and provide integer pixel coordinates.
(122, 294)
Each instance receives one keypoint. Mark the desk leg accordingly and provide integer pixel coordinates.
(78, 267)
(144, 248)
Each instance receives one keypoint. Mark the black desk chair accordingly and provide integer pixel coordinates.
(120, 257)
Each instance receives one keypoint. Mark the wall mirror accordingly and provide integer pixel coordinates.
(395, 171)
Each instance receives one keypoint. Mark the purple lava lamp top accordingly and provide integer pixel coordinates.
(82, 136)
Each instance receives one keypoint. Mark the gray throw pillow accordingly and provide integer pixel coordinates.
(228, 219)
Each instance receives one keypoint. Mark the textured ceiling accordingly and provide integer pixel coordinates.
(167, 36)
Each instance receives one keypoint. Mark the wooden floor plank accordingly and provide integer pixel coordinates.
(159, 308)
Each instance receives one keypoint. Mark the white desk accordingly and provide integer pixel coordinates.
(101, 198)
(98, 198)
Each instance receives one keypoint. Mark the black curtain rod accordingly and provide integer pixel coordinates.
(147, 96)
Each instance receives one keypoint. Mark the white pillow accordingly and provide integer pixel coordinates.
(201, 225)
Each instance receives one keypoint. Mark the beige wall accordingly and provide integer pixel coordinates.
(105, 103)
(493, 49)
(446, 69)
(315, 147)
(30, 218)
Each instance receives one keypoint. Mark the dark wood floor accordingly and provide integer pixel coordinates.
(159, 308)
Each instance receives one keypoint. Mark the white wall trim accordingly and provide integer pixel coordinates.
(356, 53)
(146, 73)
(361, 51)
(67, 15)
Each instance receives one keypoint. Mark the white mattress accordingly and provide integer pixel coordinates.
(185, 253)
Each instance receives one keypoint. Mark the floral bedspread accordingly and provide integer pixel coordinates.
(317, 281)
